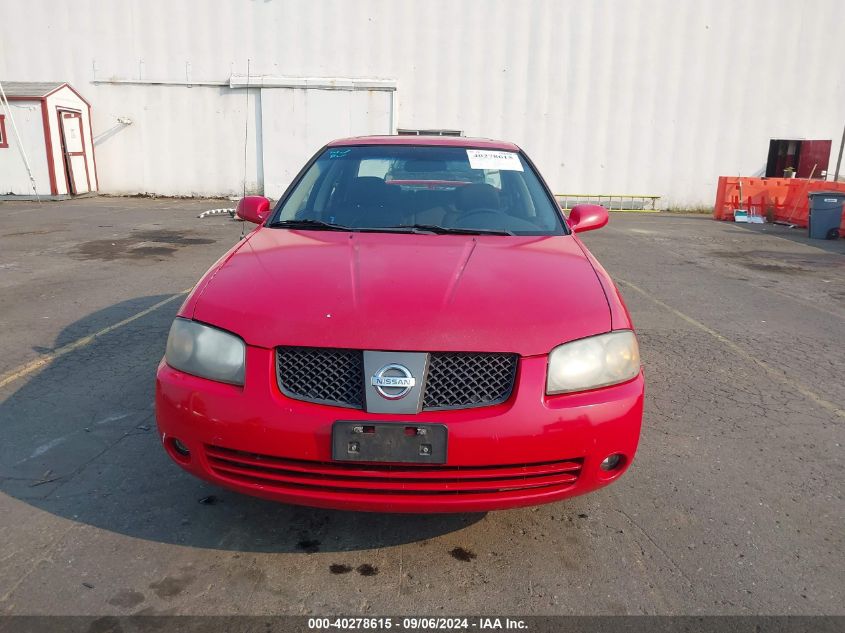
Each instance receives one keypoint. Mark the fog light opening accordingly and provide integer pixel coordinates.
(181, 452)
(612, 462)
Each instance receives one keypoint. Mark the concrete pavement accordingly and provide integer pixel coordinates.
(733, 505)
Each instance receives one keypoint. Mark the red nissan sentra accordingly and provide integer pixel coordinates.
(414, 327)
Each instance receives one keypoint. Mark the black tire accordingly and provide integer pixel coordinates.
(832, 234)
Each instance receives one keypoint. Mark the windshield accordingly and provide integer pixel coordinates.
(420, 189)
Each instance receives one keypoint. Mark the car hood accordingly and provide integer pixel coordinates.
(388, 291)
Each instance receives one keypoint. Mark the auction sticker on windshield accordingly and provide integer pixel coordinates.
(486, 159)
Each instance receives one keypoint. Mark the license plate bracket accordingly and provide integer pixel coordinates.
(396, 442)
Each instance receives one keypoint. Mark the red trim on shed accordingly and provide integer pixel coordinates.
(4, 140)
(93, 154)
(72, 89)
(67, 172)
(48, 144)
(70, 178)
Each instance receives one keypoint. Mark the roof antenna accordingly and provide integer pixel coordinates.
(4, 101)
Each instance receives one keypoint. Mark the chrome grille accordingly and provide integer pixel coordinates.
(320, 374)
(463, 380)
(456, 380)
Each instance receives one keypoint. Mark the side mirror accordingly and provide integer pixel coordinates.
(253, 209)
(586, 217)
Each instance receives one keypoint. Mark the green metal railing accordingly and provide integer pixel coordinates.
(613, 202)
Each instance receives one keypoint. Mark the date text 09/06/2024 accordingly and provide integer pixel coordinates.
(417, 623)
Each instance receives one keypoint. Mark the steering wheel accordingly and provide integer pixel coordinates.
(490, 213)
(378, 216)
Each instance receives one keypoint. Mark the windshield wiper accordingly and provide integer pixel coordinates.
(319, 225)
(312, 225)
(444, 230)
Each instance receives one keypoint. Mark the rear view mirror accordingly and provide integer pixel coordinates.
(253, 209)
(586, 217)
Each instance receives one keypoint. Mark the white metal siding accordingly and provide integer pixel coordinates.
(14, 178)
(622, 96)
(297, 122)
(181, 141)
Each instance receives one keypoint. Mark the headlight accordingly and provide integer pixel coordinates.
(593, 362)
(205, 351)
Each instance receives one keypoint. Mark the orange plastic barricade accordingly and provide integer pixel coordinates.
(776, 199)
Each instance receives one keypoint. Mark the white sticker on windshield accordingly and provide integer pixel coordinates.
(491, 159)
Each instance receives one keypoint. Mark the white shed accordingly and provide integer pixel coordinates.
(54, 124)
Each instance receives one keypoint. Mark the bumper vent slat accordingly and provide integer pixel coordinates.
(277, 473)
(456, 380)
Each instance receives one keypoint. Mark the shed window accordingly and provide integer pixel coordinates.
(4, 141)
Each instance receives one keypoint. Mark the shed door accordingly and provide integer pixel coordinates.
(73, 147)
(296, 122)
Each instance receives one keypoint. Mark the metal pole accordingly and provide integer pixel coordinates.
(798, 199)
(246, 124)
(5, 102)
(839, 160)
(246, 139)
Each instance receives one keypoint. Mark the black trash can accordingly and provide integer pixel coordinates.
(825, 214)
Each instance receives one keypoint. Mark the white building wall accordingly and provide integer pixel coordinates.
(14, 178)
(181, 141)
(607, 96)
(296, 122)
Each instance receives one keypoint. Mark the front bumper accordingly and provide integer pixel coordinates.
(529, 450)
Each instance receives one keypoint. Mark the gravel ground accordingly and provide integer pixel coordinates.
(733, 505)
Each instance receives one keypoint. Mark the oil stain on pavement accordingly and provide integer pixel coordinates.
(339, 569)
(367, 570)
(171, 586)
(461, 554)
(127, 599)
(140, 245)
